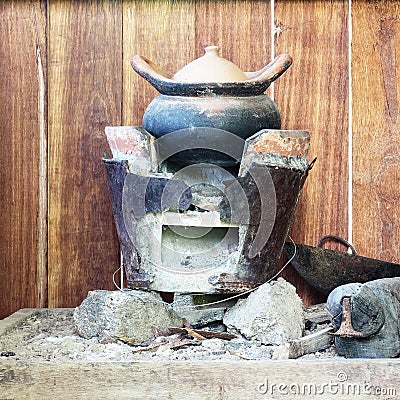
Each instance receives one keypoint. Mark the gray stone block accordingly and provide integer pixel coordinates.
(129, 315)
(272, 314)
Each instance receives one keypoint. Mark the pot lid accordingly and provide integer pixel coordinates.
(211, 67)
(213, 76)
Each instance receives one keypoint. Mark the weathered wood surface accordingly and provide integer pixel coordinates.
(319, 379)
(23, 279)
(85, 92)
(376, 124)
(16, 318)
(313, 96)
(366, 318)
(312, 343)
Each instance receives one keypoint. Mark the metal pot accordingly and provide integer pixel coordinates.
(326, 269)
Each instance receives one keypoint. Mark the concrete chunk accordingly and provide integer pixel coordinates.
(272, 314)
(128, 315)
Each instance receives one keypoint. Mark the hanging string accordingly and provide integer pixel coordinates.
(250, 290)
(113, 278)
(121, 268)
(223, 300)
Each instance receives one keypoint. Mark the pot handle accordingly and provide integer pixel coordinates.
(149, 71)
(272, 71)
(338, 239)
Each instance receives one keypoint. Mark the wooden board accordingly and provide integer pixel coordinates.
(85, 92)
(16, 318)
(23, 128)
(376, 125)
(206, 380)
(328, 380)
(313, 95)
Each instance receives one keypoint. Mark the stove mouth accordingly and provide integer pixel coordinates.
(197, 248)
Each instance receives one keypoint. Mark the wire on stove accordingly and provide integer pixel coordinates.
(113, 278)
(250, 290)
(228, 298)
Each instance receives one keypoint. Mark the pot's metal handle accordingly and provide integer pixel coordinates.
(338, 239)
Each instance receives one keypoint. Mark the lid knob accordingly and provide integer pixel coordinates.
(211, 67)
(212, 50)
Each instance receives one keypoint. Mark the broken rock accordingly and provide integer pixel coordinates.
(128, 315)
(272, 314)
(184, 306)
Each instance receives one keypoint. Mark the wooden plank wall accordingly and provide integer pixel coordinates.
(376, 129)
(58, 238)
(23, 233)
(314, 96)
(85, 95)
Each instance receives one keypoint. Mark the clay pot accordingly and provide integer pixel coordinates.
(210, 92)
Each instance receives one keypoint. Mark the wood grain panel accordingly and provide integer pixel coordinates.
(85, 92)
(205, 380)
(376, 129)
(240, 28)
(23, 280)
(313, 95)
(163, 31)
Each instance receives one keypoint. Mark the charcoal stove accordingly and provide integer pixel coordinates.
(204, 192)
